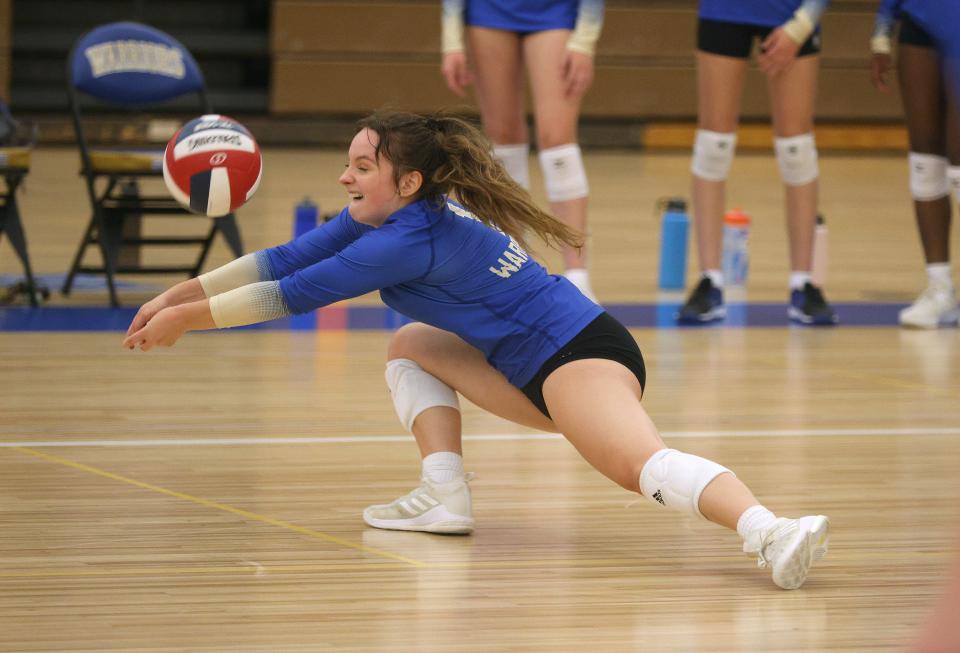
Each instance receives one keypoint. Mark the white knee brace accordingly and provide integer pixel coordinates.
(675, 479)
(713, 154)
(953, 174)
(516, 161)
(928, 177)
(563, 173)
(797, 157)
(414, 390)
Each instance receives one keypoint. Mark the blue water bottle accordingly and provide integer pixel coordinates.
(305, 217)
(673, 245)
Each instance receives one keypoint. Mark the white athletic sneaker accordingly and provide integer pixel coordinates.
(936, 306)
(432, 508)
(789, 547)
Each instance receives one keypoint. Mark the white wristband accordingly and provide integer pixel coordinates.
(451, 33)
(584, 37)
(800, 27)
(881, 44)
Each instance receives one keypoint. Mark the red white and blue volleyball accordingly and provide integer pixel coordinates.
(212, 165)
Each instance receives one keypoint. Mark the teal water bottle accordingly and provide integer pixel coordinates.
(674, 231)
(305, 217)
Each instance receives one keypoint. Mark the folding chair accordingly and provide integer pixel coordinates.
(14, 166)
(134, 67)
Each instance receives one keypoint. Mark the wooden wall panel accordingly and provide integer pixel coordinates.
(307, 86)
(5, 77)
(334, 57)
(335, 28)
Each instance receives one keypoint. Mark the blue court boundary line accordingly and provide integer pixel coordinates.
(365, 318)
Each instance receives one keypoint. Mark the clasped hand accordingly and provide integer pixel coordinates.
(154, 325)
(777, 52)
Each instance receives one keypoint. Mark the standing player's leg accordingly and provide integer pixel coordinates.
(926, 109)
(721, 72)
(793, 95)
(556, 115)
(498, 68)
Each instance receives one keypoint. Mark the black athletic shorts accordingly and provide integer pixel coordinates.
(912, 34)
(605, 338)
(736, 39)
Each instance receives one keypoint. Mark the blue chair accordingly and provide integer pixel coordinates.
(135, 68)
(15, 157)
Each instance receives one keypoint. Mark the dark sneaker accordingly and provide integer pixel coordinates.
(705, 304)
(808, 306)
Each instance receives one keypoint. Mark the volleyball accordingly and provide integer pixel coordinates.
(212, 165)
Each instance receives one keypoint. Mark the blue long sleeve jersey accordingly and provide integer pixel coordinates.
(766, 13)
(438, 265)
(940, 18)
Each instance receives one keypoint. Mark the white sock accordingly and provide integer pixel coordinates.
(753, 518)
(940, 275)
(443, 466)
(581, 279)
(715, 276)
(798, 279)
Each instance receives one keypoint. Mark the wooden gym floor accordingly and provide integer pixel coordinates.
(208, 497)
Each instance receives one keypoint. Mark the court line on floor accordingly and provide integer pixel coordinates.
(246, 514)
(261, 570)
(481, 437)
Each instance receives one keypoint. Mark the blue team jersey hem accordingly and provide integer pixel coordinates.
(762, 13)
(523, 377)
(519, 28)
(521, 17)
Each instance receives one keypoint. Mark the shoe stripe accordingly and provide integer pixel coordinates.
(406, 508)
(416, 501)
(429, 500)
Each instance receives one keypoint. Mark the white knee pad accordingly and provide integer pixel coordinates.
(953, 175)
(516, 161)
(675, 479)
(563, 173)
(713, 154)
(414, 390)
(928, 177)
(797, 157)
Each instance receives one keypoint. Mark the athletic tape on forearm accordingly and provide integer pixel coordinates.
(587, 30)
(249, 268)
(881, 40)
(805, 19)
(250, 304)
(451, 26)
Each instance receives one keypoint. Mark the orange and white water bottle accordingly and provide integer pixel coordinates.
(735, 260)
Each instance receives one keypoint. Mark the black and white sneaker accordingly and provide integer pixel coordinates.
(705, 304)
(809, 306)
